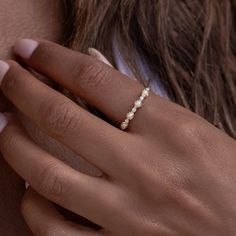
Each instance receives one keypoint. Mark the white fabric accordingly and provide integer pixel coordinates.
(155, 83)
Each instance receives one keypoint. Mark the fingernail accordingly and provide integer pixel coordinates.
(98, 55)
(3, 122)
(26, 185)
(4, 67)
(25, 47)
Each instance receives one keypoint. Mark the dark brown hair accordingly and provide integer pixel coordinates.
(190, 44)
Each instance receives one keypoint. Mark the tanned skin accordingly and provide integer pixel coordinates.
(25, 18)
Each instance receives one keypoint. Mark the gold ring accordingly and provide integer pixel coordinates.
(137, 104)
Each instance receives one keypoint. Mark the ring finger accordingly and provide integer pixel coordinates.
(102, 86)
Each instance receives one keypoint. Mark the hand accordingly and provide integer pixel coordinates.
(171, 173)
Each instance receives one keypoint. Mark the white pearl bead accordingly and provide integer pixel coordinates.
(124, 125)
(145, 93)
(141, 98)
(138, 103)
(130, 115)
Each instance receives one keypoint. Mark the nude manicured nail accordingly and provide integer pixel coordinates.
(25, 47)
(26, 185)
(98, 55)
(4, 67)
(3, 122)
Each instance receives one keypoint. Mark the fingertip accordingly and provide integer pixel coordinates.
(3, 121)
(98, 55)
(4, 67)
(25, 47)
(27, 185)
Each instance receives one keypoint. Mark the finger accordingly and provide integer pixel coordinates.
(60, 118)
(107, 89)
(4, 103)
(43, 218)
(87, 196)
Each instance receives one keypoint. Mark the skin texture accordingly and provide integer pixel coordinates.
(199, 208)
(25, 18)
(173, 176)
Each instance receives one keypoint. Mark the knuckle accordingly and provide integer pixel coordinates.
(188, 130)
(183, 122)
(10, 140)
(190, 135)
(51, 182)
(92, 74)
(10, 84)
(45, 52)
(59, 118)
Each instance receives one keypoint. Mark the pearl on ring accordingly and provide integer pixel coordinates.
(124, 125)
(137, 104)
(145, 93)
(130, 115)
(141, 98)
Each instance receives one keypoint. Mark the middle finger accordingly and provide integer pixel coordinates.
(102, 86)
